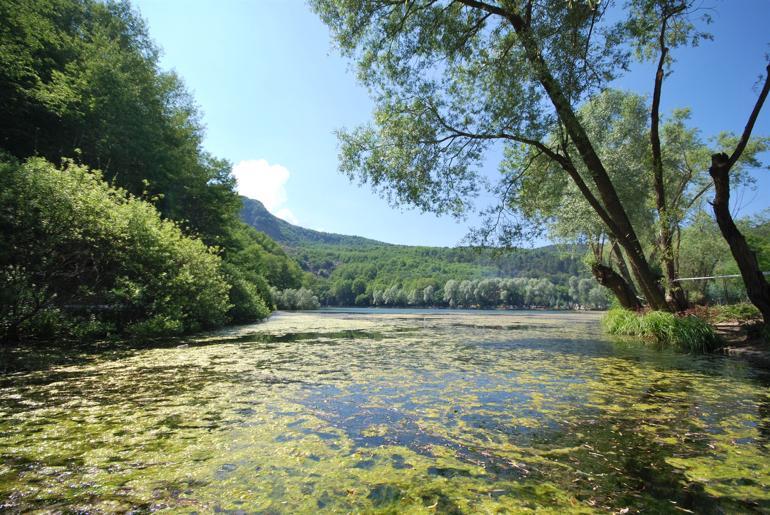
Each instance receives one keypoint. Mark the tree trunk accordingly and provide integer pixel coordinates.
(675, 295)
(620, 224)
(757, 287)
(609, 278)
(616, 257)
(625, 234)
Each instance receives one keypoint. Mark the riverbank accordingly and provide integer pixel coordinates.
(744, 341)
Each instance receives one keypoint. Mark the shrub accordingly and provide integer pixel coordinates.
(688, 333)
(80, 257)
(247, 302)
(621, 321)
(157, 325)
(742, 312)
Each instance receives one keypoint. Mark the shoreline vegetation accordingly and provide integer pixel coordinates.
(82, 259)
(734, 329)
(686, 333)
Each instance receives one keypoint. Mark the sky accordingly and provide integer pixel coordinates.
(272, 90)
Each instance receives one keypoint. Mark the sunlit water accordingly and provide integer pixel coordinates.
(373, 411)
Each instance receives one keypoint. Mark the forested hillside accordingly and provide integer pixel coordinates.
(350, 270)
(254, 213)
(114, 218)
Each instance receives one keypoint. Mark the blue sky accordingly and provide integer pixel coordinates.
(272, 91)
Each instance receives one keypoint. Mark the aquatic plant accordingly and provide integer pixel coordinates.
(688, 333)
(398, 413)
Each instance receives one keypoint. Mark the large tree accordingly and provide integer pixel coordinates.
(452, 77)
(722, 164)
(619, 125)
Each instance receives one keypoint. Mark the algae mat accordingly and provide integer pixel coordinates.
(372, 412)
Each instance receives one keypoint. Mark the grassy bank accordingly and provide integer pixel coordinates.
(687, 333)
(742, 313)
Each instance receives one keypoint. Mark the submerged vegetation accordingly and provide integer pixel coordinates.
(385, 414)
(687, 333)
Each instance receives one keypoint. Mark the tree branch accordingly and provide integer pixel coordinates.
(493, 9)
(657, 159)
(564, 161)
(750, 124)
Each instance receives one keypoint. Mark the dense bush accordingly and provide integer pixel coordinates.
(261, 259)
(247, 295)
(80, 257)
(82, 77)
(688, 333)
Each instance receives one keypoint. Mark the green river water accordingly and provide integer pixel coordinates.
(385, 412)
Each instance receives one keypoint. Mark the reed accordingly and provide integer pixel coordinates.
(687, 333)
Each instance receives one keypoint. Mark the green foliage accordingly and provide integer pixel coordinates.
(687, 333)
(248, 297)
(258, 256)
(704, 253)
(349, 271)
(617, 123)
(154, 326)
(449, 81)
(291, 299)
(77, 251)
(81, 78)
(757, 232)
(397, 275)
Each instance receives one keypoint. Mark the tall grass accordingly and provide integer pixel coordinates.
(686, 333)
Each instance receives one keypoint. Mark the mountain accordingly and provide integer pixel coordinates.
(329, 255)
(256, 215)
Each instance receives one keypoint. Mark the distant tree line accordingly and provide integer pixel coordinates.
(397, 275)
(519, 292)
(295, 299)
(407, 276)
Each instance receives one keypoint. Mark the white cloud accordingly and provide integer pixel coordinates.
(287, 215)
(260, 180)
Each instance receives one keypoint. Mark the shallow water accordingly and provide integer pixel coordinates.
(373, 411)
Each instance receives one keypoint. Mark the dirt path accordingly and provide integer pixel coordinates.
(744, 342)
